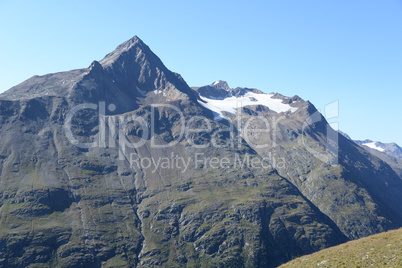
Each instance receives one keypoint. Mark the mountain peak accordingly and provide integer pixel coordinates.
(220, 84)
(95, 65)
(125, 47)
(129, 43)
(129, 70)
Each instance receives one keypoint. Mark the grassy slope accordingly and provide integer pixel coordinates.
(380, 250)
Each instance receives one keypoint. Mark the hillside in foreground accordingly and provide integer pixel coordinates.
(379, 250)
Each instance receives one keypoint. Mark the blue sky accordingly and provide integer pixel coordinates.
(323, 51)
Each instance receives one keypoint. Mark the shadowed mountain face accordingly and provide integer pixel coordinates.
(390, 153)
(122, 164)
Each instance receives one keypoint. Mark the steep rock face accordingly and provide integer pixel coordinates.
(121, 185)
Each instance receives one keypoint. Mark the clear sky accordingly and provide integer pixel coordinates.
(321, 50)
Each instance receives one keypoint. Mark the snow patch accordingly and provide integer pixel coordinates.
(374, 146)
(230, 104)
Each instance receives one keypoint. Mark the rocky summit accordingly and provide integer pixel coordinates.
(122, 164)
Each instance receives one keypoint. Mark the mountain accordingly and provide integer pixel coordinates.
(391, 149)
(379, 250)
(130, 76)
(122, 164)
(333, 172)
(391, 153)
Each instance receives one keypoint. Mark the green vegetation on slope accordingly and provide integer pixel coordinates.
(380, 250)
